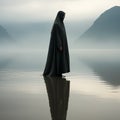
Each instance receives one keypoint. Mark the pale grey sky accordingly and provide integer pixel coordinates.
(45, 10)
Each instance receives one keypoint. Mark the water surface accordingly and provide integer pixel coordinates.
(91, 91)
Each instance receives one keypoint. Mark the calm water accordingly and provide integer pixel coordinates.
(91, 91)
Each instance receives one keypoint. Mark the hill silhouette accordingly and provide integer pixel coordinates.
(4, 34)
(106, 27)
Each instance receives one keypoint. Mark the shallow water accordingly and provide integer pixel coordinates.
(91, 91)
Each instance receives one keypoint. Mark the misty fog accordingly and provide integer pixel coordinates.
(36, 35)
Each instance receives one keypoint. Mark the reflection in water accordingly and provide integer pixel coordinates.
(108, 71)
(58, 94)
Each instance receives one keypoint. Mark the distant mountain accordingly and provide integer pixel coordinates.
(106, 27)
(4, 34)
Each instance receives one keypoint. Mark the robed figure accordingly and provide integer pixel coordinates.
(58, 53)
(58, 93)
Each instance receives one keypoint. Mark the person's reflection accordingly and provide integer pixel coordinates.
(58, 94)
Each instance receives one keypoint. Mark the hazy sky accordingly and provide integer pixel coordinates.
(44, 10)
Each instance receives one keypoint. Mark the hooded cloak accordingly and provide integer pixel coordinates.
(58, 53)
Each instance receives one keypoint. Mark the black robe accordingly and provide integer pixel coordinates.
(57, 59)
(58, 93)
